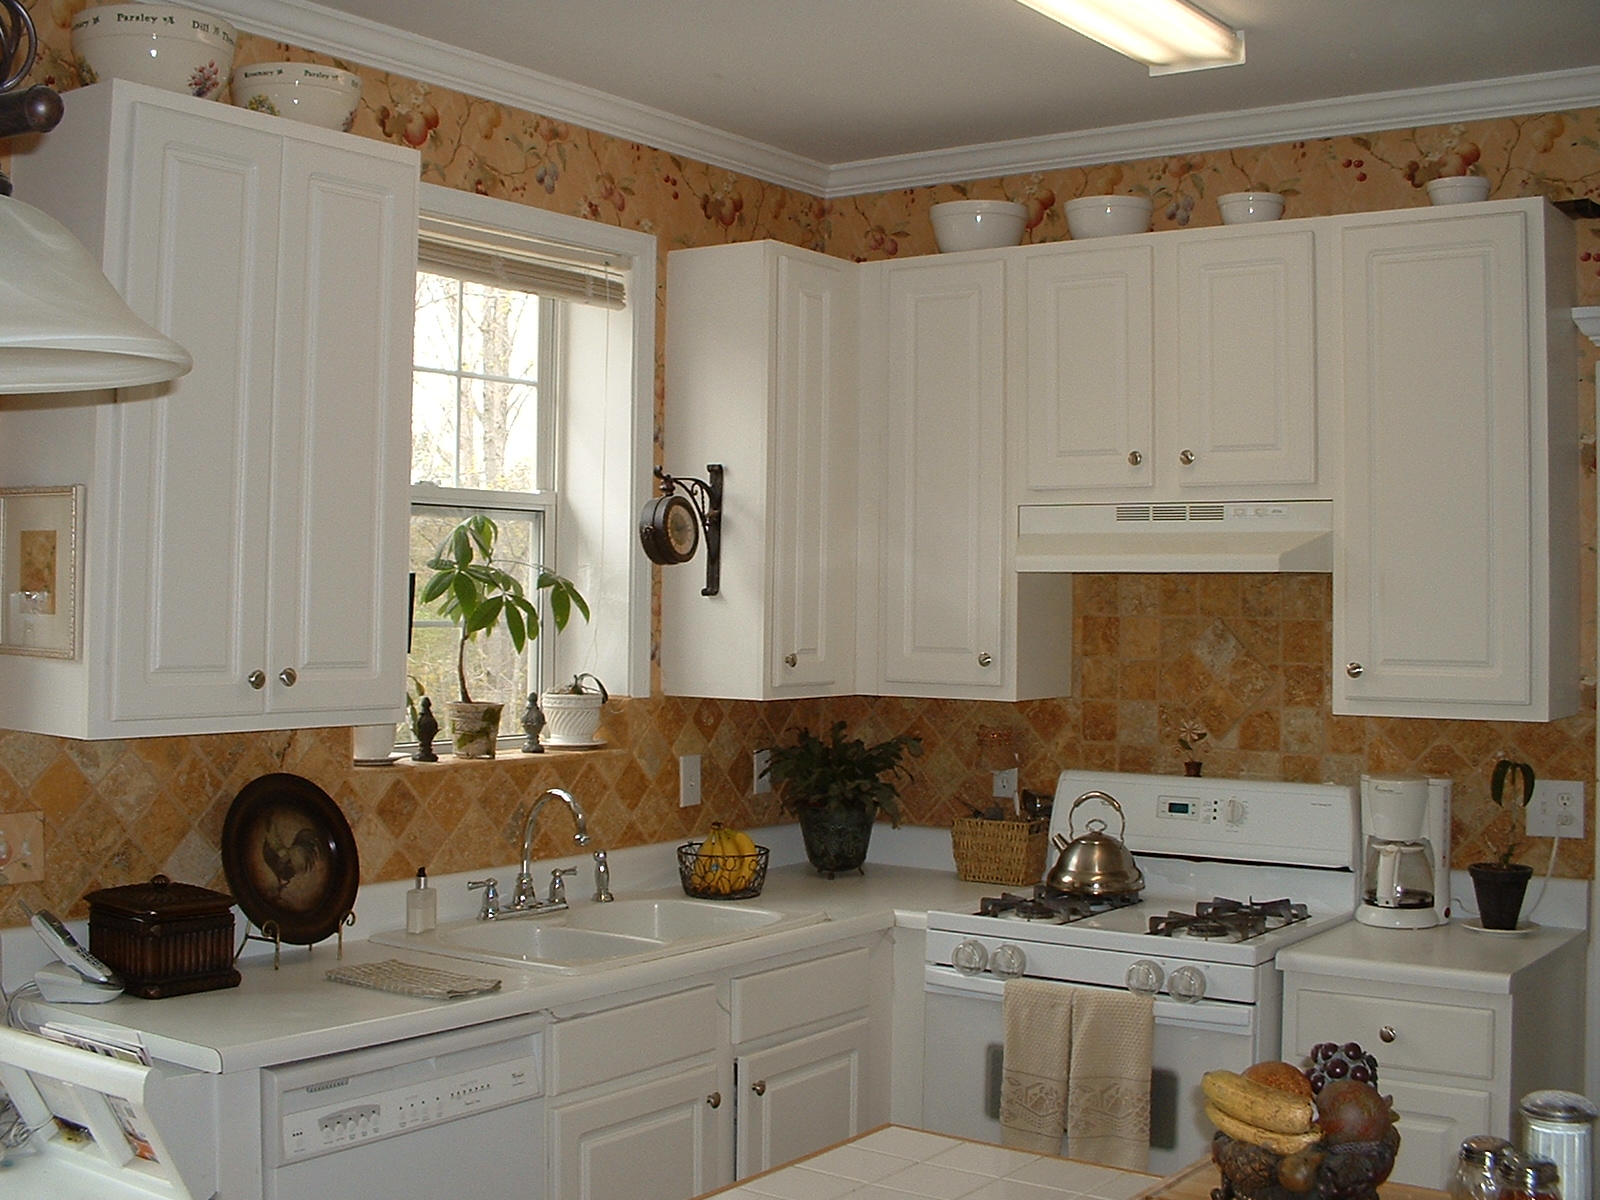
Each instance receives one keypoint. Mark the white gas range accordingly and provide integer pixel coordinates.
(1234, 870)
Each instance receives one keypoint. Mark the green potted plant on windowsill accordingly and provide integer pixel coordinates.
(475, 591)
(572, 713)
(836, 787)
(1500, 884)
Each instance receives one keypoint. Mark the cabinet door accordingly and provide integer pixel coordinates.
(813, 511)
(1435, 601)
(655, 1140)
(1433, 1121)
(942, 490)
(193, 458)
(342, 432)
(1089, 390)
(1245, 385)
(799, 1097)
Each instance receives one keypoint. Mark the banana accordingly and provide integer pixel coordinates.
(1258, 1105)
(725, 863)
(1242, 1131)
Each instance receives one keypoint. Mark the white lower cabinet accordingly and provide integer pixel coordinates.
(668, 1097)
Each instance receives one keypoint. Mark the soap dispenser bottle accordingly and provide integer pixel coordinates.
(422, 905)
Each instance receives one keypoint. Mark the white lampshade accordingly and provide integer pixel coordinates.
(1167, 35)
(63, 327)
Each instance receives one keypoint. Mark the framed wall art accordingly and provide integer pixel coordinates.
(40, 546)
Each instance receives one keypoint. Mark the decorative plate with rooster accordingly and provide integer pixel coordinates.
(290, 858)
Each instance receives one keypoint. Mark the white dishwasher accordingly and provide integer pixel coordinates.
(450, 1114)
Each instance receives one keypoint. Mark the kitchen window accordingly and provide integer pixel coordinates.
(531, 401)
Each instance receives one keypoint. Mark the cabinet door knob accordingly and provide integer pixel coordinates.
(714, 1099)
(256, 679)
(1354, 670)
(791, 660)
(1386, 1034)
(985, 659)
(288, 676)
(1134, 458)
(759, 1087)
(1186, 457)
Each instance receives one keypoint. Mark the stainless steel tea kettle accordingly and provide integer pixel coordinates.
(1094, 863)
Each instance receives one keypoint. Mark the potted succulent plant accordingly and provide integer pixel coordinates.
(836, 787)
(572, 712)
(1501, 884)
(474, 590)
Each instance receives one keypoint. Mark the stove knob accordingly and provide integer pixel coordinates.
(969, 957)
(1008, 961)
(1186, 985)
(1144, 977)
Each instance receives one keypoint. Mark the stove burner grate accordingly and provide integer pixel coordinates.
(1221, 919)
(1054, 909)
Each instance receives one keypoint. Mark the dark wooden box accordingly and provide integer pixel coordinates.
(164, 938)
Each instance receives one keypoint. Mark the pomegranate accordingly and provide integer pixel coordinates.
(1349, 1110)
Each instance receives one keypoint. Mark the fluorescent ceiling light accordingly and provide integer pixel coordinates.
(1168, 35)
(63, 327)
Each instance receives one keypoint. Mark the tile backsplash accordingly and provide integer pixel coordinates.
(1245, 657)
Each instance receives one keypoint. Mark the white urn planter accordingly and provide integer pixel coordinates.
(572, 714)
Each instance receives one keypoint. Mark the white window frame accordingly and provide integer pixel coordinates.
(594, 539)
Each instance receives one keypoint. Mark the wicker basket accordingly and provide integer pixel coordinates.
(1009, 852)
(702, 885)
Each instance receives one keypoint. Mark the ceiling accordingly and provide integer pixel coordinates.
(842, 95)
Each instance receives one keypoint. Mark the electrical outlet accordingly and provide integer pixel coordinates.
(761, 782)
(688, 780)
(21, 847)
(1005, 783)
(1556, 809)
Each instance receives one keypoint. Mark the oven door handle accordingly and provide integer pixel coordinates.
(1216, 1016)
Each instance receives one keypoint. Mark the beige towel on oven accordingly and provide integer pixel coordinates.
(1077, 1059)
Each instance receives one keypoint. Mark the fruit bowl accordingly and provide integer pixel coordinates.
(1351, 1171)
(305, 92)
(715, 875)
(176, 49)
(977, 224)
(1108, 216)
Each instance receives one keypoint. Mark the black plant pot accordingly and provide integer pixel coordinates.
(836, 839)
(1500, 891)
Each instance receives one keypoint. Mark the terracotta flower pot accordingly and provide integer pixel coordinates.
(1500, 890)
(836, 839)
(474, 727)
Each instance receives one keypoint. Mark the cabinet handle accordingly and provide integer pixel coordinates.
(1354, 670)
(288, 676)
(1134, 458)
(759, 1087)
(985, 659)
(256, 679)
(714, 1099)
(791, 660)
(1186, 457)
(1386, 1034)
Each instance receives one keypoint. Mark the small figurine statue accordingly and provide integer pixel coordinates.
(532, 723)
(427, 728)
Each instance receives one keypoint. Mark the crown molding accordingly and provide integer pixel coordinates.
(301, 23)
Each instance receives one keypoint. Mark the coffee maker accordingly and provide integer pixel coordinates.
(1405, 880)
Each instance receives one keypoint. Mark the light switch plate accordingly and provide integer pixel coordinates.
(21, 847)
(688, 780)
(1556, 809)
(761, 782)
(1005, 783)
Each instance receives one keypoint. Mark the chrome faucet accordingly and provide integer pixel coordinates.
(523, 897)
(602, 878)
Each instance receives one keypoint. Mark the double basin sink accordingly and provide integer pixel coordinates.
(591, 937)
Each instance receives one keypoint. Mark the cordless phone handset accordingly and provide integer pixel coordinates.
(67, 948)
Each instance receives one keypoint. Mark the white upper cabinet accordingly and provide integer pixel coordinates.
(761, 377)
(246, 529)
(1456, 589)
(1169, 367)
(952, 620)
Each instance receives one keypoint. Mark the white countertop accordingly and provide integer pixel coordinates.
(277, 1016)
(1447, 956)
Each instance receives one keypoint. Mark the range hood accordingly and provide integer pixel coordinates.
(1245, 535)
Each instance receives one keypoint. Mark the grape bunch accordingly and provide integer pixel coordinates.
(1329, 1060)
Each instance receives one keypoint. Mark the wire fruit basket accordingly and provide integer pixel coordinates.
(714, 876)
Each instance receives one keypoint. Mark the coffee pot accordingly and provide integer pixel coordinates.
(1405, 882)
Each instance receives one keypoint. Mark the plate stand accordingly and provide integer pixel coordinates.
(269, 933)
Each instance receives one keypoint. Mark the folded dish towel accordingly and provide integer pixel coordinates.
(1077, 1059)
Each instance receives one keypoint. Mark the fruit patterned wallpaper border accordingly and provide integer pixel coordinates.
(1247, 657)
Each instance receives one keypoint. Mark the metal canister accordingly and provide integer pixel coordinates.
(1559, 1126)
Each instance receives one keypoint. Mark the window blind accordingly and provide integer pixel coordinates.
(498, 258)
